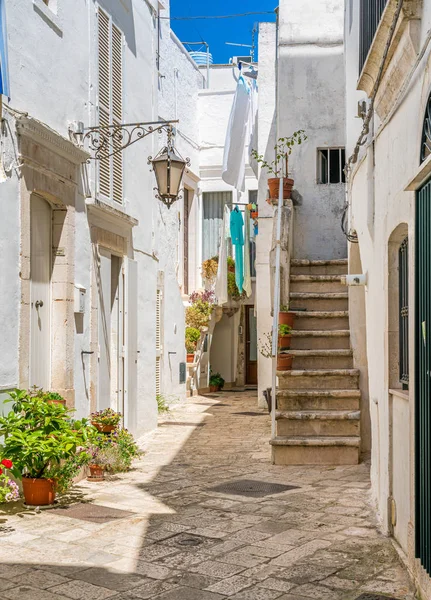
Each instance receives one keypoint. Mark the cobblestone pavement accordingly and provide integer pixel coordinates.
(184, 541)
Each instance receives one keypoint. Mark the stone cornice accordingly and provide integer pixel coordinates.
(110, 213)
(44, 135)
(411, 10)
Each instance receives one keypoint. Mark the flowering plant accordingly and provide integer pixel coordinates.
(199, 313)
(9, 490)
(106, 416)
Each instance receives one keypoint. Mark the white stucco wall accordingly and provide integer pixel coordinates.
(35, 36)
(311, 96)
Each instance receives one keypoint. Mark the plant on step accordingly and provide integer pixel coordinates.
(217, 381)
(193, 336)
(162, 403)
(279, 167)
(9, 491)
(284, 308)
(284, 330)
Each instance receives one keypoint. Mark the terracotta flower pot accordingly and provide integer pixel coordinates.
(190, 358)
(254, 214)
(284, 362)
(38, 492)
(284, 342)
(274, 185)
(214, 388)
(103, 428)
(97, 473)
(62, 402)
(286, 318)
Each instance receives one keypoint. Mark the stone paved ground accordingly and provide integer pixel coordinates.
(318, 541)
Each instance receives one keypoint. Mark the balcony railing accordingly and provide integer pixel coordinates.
(370, 14)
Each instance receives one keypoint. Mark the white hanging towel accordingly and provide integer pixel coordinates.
(236, 137)
(246, 286)
(220, 289)
(252, 145)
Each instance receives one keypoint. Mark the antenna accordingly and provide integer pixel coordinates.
(252, 46)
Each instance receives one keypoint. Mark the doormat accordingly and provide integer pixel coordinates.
(252, 488)
(252, 414)
(94, 513)
(375, 597)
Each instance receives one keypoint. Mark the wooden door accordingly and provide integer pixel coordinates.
(40, 274)
(251, 346)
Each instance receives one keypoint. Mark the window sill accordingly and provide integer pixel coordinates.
(48, 16)
(403, 394)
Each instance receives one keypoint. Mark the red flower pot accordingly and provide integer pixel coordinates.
(274, 186)
(214, 388)
(284, 341)
(38, 492)
(97, 473)
(62, 402)
(190, 358)
(103, 428)
(284, 362)
(254, 214)
(286, 318)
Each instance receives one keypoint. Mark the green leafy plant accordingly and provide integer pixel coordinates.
(193, 335)
(38, 436)
(105, 417)
(283, 149)
(115, 451)
(65, 472)
(199, 313)
(284, 330)
(284, 308)
(162, 404)
(232, 288)
(216, 380)
(230, 262)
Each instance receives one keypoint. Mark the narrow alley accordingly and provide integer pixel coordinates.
(181, 536)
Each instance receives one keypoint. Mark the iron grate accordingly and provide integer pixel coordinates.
(375, 597)
(94, 513)
(252, 488)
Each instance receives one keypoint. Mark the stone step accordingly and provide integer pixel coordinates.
(334, 450)
(317, 283)
(314, 340)
(318, 423)
(319, 301)
(322, 359)
(325, 379)
(319, 267)
(318, 399)
(321, 320)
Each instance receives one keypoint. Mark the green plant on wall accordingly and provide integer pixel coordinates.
(284, 330)
(283, 149)
(193, 335)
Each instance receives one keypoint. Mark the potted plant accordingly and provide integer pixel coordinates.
(209, 269)
(284, 361)
(284, 337)
(193, 336)
(216, 382)
(105, 420)
(279, 167)
(9, 491)
(230, 264)
(286, 317)
(99, 459)
(38, 438)
(50, 397)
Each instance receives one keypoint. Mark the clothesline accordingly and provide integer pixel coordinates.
(238, 203)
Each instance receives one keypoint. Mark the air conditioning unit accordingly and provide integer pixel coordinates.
(241, 59)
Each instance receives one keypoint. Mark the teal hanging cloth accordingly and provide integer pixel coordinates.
(237, 235)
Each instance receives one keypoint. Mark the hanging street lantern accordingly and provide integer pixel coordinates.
(168, 168)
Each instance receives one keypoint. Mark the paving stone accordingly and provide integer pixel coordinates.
(231, 585)
(239, 557)
(24, 592)
(297, 554)
(280, 585)
(318, 592)
(118, 581)
(82, 590)
(39, 579)
(195, 580)
(217, 569)
(186, 593)
(257, 593)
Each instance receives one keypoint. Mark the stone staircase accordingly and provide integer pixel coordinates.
(318, 416)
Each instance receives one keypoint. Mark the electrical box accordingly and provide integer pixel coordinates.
(79, 301)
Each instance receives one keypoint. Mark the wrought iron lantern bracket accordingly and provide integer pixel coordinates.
(106, 140)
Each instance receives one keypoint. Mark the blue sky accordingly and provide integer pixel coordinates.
(218, 31)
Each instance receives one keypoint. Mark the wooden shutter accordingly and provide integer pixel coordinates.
(117, 110)
(110, 102)
(158, 341)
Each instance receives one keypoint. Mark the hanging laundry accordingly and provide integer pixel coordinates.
(253, 121)
(220, 289)
(247, 267)
(237, 235)
(234, 157)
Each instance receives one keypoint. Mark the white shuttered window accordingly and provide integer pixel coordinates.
(110, 102)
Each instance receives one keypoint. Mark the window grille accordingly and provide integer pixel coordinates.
(331, 162)
(370, 14)
(403, 265)
(110, 102)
